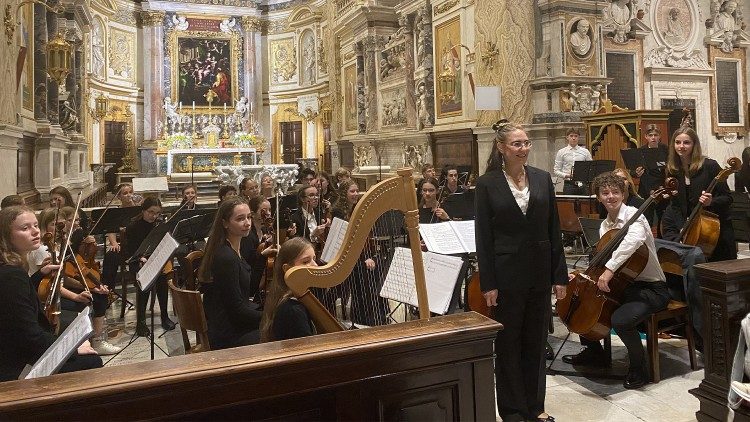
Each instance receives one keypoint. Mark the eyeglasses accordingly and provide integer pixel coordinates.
(452, 175)
(520, 144)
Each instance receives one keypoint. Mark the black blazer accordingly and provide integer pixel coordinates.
(682, 205)
(226, 301)
(299, 219)
(25, 333)
(518, 251)
(653, 178)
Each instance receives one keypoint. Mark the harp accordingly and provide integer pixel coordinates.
(396, 193)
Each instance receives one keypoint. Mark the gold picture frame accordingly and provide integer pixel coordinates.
(181, 79)
(448, 64)
(350, 98)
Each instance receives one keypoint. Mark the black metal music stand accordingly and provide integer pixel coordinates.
(584, 172)
(460, 206)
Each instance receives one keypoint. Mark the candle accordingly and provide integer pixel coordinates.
(180, 106)
(225, 108)
(193, 105)
(251, 107)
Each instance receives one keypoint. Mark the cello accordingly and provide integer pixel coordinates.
(702, 227)
(585, 309)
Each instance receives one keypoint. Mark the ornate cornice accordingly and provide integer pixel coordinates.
(251, 23)
(152, 18)
(444, 7)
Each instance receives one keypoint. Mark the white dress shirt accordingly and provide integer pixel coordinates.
(310, 221)
(638, 234)
(521, 196)
(566, 158)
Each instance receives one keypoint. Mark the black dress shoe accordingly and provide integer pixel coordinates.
(589, 356)
(635, 379)
(167, 324)
(548, 352)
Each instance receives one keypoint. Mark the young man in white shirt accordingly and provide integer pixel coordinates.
(646, 295)
(566, 158)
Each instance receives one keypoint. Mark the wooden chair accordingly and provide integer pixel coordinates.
(190, 264)
(189, 308)
(679, 312)
(676, 310)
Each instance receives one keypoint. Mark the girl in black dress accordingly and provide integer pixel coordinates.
(520, 254)
(694, 173)
(25, 333)
(284, 317)
(226, 280)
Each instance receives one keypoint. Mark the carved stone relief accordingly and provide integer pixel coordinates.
(393, 109)
(726, 27)
(392, 60)
(362, 155)
(423, 37)
(283, 60)
(307, 47)
(414, 155)
(98, 48)
(616, 20)
(425, 105)
(666, 57)
(322, 59)
(583, 98)
(122, 54)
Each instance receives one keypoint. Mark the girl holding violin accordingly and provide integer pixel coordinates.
(266, 186)
(519, 248)
(285, 317)
(694, 173)
(189, 197)
(25, 332)
(226, 281)
(430, 191)
(136, 233)
(75, 296)
(249, 188)
(259, 245)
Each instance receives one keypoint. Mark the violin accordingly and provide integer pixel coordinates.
(702, 227)
(585, 309)
(49, 295)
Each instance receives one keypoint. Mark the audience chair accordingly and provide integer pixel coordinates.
(189, 265)
(189, 309)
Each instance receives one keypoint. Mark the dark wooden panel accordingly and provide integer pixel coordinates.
(621, 69)
(727, 92)
(457, 147)
(415, 367)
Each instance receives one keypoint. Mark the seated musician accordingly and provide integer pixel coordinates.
(25, 332)
(250, 246)
(326, 189)
(11, 200)
(249, 188)
(694, 173)
(451, 180)
(632, 199)
(226, 192)
(112, 254)
(74, 297)
(136, 233)
(266, 186)
(430, 191)
(60, 196)
(284, 317)
(307, 220)
(342, 174)
(189, 197)
(233, 320)
(646, 295)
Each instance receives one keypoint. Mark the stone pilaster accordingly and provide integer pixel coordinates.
(40, 64)
(53, 105)
(153, 73)
(9, 138)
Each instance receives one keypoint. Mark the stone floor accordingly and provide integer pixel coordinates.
(569, 397)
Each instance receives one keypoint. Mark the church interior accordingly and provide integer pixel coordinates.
(165, 96)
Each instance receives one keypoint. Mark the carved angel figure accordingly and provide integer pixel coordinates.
(170, 109)
(227, 25)
(423, 115)
(241, 108)
(180, 23)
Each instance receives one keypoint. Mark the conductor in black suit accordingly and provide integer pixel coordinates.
(520, 258)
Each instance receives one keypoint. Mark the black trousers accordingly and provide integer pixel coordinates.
(519, 347)
(81, 362)
(642, 299)
(109, 268)
(99, 307)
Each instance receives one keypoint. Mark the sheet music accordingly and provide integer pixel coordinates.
(63, 348)
(335, 239)
(441, 275)
(153, 266)
(150, 184)
(449, 237)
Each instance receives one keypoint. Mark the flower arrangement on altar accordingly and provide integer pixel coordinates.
(248, 140)
(176, 140)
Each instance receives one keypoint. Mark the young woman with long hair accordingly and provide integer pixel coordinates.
(25, 332)
(226, 279)
(694, 173)
(284, 317)
(519, 247)
(430, 203)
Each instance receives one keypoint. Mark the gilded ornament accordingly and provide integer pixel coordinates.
(121, 53)
(444, 7)
(283, 60)
(253, 24)
(152, 18)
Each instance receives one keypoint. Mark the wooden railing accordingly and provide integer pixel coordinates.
(433, 369)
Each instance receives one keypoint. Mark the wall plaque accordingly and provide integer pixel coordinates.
(677, 118)
(621, 68)
(727, 92)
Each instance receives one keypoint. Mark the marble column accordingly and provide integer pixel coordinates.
(53, 106)
(252, 80)
(40, 63)
(411, 103)
(361, 111)
(153, 73)
(372, 45)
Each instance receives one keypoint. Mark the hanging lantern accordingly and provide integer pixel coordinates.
(101, 107)
(58, 58)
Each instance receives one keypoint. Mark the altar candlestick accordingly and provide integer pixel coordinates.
(193, 105)
(180, 106)
(225, 108)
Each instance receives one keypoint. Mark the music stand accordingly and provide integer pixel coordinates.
(648, 158)
(460, 205)
(285, 202)
(113, 219)
(585, 171)
(194, 228)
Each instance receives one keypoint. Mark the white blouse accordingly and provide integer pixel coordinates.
(521, 196)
